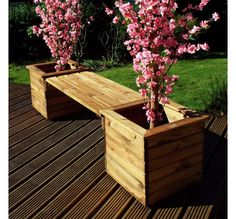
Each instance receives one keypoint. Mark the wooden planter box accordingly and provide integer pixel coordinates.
(46, 99)
(153, 164)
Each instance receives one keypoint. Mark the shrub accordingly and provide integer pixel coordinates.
(215, 99)
(21, 46)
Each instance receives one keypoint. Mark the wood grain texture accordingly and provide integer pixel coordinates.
(167, 155)
(59, 169)
(46, 99)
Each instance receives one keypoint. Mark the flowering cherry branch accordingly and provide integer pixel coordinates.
(160, 32)
(60, 27)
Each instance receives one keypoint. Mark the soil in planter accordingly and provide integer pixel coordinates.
(137, 115)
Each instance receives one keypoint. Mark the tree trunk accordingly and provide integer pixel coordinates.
(154, 106)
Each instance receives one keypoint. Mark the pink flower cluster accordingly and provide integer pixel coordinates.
(60, 27)
(159, 33)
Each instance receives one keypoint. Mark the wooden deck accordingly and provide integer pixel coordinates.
(56, 170)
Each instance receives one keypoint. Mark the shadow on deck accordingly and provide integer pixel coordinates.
(57, 170)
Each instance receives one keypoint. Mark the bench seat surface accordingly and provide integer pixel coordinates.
(94, 91)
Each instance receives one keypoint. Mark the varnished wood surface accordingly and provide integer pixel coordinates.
(57, 170)
(93, 91)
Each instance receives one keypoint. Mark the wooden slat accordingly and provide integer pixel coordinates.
(175, 157)
(19, 99)
(173, 131)
(172, 189)
(19, 105)
(82, 185)
(24, 124)
(64, 179)
(173, 146)
(34, 139)
(107, 84)
(22, 118)
(88, 205)
(203, 202)
(52, 140)
(17, 113)
(77, 96)
(115, 206)
(93, 91)
(175, 178)
(127, 128)
(44, 195)
(126, 179)
(17, 93)
(175, 167)
(124, 147)
(53, 167)
(40, 162)
(137, 210)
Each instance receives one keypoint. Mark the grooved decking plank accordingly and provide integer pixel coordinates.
(55, 167)
(94, 199)
(55, 139)
(19, 112)
(203, 202)
(17, 93)
(116, 205)
(20, 105)
(68, 178)
(137, 210)
(25, 124)
(23, 117)
(74, 192)
(55, 186)
(16, 101)
(213, 137)
(37, 137)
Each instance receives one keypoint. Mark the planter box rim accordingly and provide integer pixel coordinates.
(112, 114)
(36, 67)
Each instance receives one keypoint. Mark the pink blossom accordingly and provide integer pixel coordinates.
(194, 30)
(204, 46)
(165, 100)
(204, 24)
(150, 115)
(155, 45)
(175, 77)
(109, 11)
(140, 80)
(192, 49)
(181, 49)
(203, 3)
(60, 29)
(143, 92)
(215, 16)
(115, 20)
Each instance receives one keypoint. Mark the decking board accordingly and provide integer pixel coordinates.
(57, 170)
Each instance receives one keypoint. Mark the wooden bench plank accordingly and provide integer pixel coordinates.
(73, 93)
(94, 91)
(108, 87)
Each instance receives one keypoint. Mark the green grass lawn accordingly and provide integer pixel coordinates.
(199, 79)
